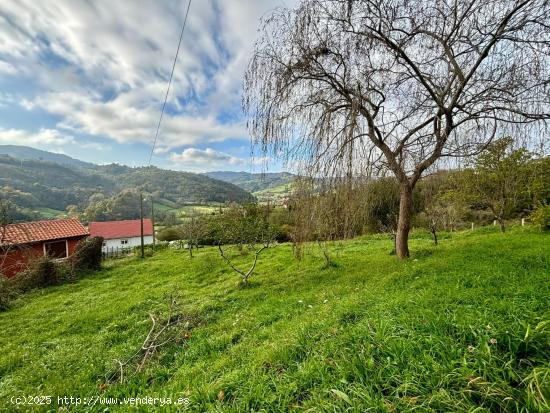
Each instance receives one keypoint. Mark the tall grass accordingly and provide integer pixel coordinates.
(459, 327)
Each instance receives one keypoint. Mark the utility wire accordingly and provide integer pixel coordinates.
(169, 83)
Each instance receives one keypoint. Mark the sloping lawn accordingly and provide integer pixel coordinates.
(460, 326)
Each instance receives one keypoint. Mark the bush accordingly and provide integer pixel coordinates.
(87, 255)
(283, 233)
(40, 273)
(169, 234)
(8, 292)
(541, 217)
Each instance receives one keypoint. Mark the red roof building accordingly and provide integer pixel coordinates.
(120, 229)
(21, 242)
(122, 234)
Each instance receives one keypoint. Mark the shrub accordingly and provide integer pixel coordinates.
(169, 234)
(8, 292)
(541, 217)
(283, 233)
(87, 255)
(41, 272)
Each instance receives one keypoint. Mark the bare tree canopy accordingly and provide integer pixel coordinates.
(366, 86)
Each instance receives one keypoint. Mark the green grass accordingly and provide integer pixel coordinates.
(46, 213)
(283, 189)
(198, 209)
(459, 327)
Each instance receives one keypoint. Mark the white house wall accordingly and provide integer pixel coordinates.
(115, 243)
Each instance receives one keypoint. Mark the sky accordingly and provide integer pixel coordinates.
(88, 79)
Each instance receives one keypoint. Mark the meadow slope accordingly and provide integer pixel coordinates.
(460, 326)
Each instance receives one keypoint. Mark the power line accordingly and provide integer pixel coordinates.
(169, 83)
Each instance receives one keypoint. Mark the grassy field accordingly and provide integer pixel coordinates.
(459, 327)
(283, 189)
(275, 194)
(45, 213)
(189, 210)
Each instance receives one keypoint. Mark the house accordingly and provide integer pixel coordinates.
(19, 243)
(122, 234)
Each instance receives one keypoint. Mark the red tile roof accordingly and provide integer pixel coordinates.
(28, 232)
(120, 229)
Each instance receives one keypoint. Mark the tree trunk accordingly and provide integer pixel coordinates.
(501, 223)
(404, 223)
(434, 233)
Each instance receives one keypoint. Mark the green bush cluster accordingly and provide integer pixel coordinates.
(541, 217)
(87, 255)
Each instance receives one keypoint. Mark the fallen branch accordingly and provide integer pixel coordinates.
(160, 334)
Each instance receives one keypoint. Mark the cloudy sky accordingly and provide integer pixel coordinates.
(87, 78)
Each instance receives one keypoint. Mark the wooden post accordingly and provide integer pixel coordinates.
(153, 221)
(472, 226)
(141, 222)
(522, 222)
(494, 222)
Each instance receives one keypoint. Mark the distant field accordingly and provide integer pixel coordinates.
(275, 194)
(46, 213)
(463, 326)
(198, 209)
(283, 189)
(189, 210)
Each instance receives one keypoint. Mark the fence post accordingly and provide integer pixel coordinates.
(472, 226)
(522, 222)
(494, 223)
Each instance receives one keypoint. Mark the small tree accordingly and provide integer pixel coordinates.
(539, 186)
(499, 180)
(245, 228)
(444, 205)
(192, 230)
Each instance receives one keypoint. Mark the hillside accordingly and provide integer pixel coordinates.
(253, 182)
(276, 194)
(459, 327)
(34, 185)
(28, 153)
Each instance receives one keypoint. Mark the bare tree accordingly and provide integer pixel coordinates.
(192, 230)
(369, 86)
(325, 214)
(246, 229)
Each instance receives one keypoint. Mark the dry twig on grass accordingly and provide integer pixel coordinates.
(173, 328)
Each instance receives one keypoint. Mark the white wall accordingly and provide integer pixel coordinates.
(132, 242)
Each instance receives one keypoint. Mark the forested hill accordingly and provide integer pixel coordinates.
(253, 182)
(28, 153)
(36, 187)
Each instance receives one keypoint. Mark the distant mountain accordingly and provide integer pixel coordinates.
(253, 182)
(28, 153)
(39, 188)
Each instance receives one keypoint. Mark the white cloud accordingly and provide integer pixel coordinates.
(102, 66)
(8, 68)
(44, 137)
(95, 146)
(194, 159)
(201, 160)
(130, 123)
